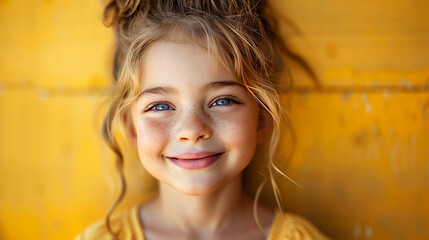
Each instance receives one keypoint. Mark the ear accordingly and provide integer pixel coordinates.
(265, 123)
(130, 128)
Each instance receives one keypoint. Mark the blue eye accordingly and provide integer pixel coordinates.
(161, 107)
(223, 101)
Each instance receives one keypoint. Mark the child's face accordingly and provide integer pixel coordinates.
(196, 128)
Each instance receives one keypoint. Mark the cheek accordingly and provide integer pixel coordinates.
(239, 129)
(140, 131)
(152, 135)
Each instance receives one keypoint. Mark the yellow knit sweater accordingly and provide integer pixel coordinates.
(126, 225)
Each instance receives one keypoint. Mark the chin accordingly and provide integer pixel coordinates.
(196, 189)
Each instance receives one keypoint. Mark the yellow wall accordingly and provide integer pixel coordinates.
(362, 150)
(363, 139)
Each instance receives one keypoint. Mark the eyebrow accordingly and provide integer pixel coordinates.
(158, 90)
(171, 90)
(222, 84)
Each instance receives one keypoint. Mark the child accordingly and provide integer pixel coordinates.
(196, 92)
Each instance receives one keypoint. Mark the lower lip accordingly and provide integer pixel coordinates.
(193, 164)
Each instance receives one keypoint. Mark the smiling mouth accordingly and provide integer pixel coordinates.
(188, 157)
(193, 161)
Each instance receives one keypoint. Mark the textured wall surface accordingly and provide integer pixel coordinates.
(362, 132)
(362, 151)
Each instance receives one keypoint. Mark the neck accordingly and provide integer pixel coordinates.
(207, 213)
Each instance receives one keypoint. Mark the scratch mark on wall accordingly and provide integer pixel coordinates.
(2, 89)
(357, 232)
(368, 231)
(43, 95)
(385, 94)
(368, 108)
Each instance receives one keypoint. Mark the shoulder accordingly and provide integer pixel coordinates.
(294, 227)
(125, 224)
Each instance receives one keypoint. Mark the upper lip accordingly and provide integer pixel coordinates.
(194, 155)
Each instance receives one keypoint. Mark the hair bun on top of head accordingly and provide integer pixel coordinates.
(116, 10)
(122, 11)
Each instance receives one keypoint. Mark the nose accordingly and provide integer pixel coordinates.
(193, 125)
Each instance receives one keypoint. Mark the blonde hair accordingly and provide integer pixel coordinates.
(234, 32)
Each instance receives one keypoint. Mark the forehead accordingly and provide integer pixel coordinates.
(172, 63)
